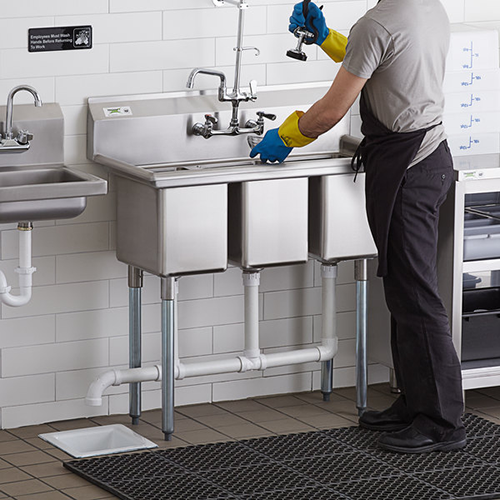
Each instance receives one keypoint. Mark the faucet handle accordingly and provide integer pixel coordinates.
(24, 136)
(211, 119)
(263, 114)
(253, 89)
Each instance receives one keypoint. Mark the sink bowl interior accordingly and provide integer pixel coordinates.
(20, 177)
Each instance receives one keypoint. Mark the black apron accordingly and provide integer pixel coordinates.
(385, 155)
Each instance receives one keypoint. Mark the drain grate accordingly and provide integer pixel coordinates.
(337, 464)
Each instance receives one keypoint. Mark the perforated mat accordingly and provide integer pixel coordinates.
(337, 464)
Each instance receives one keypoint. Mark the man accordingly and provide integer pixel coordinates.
(395, 56)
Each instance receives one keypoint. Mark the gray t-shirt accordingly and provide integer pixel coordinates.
(401, 47)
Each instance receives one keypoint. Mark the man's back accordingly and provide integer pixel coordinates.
(401, 47)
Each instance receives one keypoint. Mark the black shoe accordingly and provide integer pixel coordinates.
(388, 420)
(411, 440)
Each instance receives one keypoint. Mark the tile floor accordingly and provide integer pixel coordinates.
(31, 469)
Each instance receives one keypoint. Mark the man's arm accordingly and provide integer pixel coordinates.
(329, 110)
(300, 129)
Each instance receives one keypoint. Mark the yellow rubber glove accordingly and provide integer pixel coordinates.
(334, 45)
(290, 133)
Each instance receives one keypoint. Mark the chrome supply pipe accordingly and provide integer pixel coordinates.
(239, 46)
(361, 277)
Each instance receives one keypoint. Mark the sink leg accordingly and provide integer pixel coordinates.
(393, 382)
(329, 323)
(361, 277)
(327, 379)
(135, 280)
(168, 286)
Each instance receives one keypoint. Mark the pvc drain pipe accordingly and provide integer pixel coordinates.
(252, 358)
(25, 270)
(118, 377)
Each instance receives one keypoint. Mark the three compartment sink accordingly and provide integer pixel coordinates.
(45, 192)
(187, 205)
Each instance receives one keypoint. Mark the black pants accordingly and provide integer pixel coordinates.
(425, 361)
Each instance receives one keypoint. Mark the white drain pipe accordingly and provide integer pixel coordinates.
(25, 270)
(252, 358)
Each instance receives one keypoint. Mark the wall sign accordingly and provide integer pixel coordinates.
(59, 38)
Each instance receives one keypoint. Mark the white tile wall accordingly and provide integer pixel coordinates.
(77, 323)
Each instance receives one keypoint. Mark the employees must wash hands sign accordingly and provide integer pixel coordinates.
(59, 38)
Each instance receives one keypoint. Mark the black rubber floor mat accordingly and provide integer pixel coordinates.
(336, 464)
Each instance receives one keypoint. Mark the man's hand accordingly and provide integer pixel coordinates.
(279, 142)
(332, 42)
(271, 148)
(315, 21)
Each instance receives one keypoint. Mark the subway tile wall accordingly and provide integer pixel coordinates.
(76, 325)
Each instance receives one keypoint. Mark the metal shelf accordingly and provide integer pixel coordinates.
(475, 266)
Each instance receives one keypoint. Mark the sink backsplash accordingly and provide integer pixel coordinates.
(157, 128)
(47, 126)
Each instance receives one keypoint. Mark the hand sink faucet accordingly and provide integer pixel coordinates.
(9, 144)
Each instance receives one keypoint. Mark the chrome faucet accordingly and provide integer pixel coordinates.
(236, 95)
(21, 142)
(213, 72)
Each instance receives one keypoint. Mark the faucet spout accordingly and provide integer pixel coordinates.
(212, 72)
(10, 105)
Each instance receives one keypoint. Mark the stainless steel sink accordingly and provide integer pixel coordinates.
(187, 205)
(35, 185)
(41, 193)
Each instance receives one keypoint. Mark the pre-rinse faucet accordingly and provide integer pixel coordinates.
(21, 142)
(236, 96)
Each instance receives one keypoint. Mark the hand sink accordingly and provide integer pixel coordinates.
(45, 192)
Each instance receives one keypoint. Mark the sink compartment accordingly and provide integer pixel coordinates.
(171, 232)
(338, 227)
(268, 222)
(31, 211)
